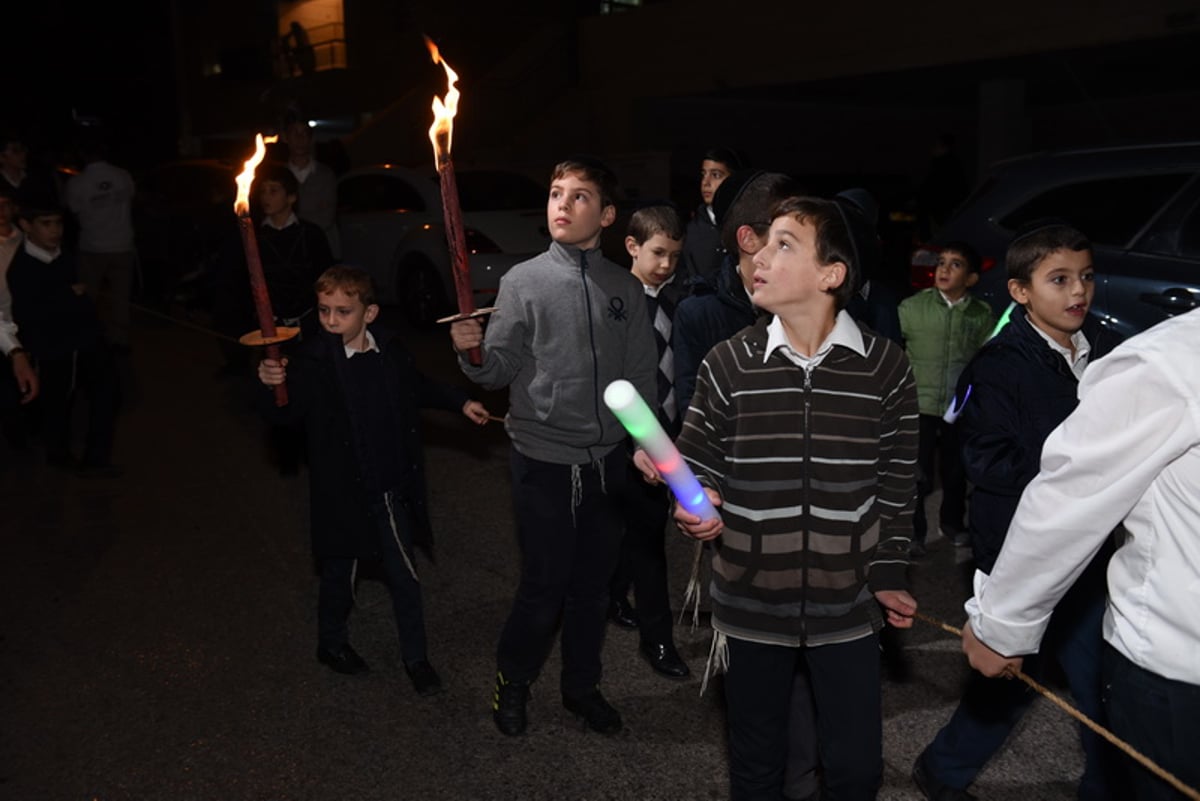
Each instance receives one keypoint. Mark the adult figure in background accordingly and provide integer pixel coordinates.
(317, 201)
(101, 198)
(873, 304)
(17, 357)
(703, 253)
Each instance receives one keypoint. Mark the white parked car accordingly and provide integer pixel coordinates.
(391, 225)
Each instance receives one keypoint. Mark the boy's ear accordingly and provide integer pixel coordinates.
(1018, 290)
(972, 279)
(371, 313)
(632, 247)
(834, 275)
(748, 241)
(608, 216)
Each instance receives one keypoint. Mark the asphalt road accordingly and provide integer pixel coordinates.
(158, 633)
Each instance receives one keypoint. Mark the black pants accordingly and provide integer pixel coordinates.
(568, 530)
(93, 373)
(398, 560)
(845, 679)
(938, 438)
(643, 559)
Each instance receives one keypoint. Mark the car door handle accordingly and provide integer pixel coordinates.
(1175, 299)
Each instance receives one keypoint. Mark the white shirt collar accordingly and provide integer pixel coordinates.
(953, 303)
(1083, 349)
(371, 346)
(302, 173)
(845, 333)
(291, 220)
(653, 291)
(712, 215)
(41, 254)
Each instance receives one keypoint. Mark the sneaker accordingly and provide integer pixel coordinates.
(593, 710)
(508, 705)
(424, 678)
(342, 659)
(932, 789)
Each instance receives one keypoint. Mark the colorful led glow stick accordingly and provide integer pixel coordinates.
(643, 426)
(1004, 319)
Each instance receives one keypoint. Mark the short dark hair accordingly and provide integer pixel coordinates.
(751, 204)
(725, 155)
(354, 281)
(651, 220)
(835, 236)
(594, 170)
(280, 174)
(1038, 239)
(970, 255)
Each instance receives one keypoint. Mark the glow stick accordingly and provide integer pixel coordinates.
(642, 424)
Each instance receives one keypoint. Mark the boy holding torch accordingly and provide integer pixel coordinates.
(567, 324)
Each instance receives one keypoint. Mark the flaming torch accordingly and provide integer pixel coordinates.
(440, 134)
(268, 334)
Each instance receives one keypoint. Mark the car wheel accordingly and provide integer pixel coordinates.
(422, 296)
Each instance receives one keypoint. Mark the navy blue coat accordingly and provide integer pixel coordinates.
(342, 525)
(1020, 390)
(704, 319)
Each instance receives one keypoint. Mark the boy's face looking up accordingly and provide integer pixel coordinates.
(346, 316)
(655, 260)
(788, 276)
(274, 199)
(44, 230)
(712, 174)
(1058, 293)
(575, 212)
(953, 277)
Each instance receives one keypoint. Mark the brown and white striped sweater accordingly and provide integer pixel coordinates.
(817, 473)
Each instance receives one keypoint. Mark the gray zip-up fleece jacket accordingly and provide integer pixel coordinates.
(567, 323)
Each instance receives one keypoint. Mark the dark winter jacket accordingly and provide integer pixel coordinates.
(336, 438)
(709, 316)
(53, 319)
(1020, 390)
(703, 255)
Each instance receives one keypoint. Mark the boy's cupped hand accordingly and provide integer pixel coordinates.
(696, 527)
(898, 606)
(466, 334)
(272, 372)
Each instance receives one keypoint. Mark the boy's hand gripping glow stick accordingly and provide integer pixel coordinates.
(643, 426)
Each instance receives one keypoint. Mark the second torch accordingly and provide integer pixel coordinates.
(642, 424)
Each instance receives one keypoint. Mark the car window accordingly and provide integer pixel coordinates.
(1110, 210)
(486, 190)
(1176, 232)
(367, 193)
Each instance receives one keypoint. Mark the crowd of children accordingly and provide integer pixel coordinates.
(814, 432)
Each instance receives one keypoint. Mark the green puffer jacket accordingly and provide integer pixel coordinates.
(940, 340)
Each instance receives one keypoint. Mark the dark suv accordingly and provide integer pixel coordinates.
(1140, 206)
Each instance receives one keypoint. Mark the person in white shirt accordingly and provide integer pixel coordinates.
(10, 240)
(1129, 453)
(317, 201)
(101, 197)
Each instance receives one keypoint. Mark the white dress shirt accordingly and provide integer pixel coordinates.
(1130, 452)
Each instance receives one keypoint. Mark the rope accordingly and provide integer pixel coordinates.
(1142, 759)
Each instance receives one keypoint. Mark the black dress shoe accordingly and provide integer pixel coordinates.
(508, 705)
(665, 660)
(593, 710)
(424, 678)
(931, 788)
(623, 614)
(342, 659)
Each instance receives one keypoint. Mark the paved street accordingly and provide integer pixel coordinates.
(158, 634)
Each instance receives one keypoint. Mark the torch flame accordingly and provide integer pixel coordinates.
(241, 205)
(443, 113)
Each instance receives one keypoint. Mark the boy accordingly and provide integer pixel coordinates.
(655, 243)
(567, 323)
(1129, 453)
(359, 397)
(317, 183)
(803, 429)
(702, 250)
(1016, 390)
(942, 327)
(58, 324)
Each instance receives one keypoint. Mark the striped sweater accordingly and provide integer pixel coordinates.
(817, 473)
